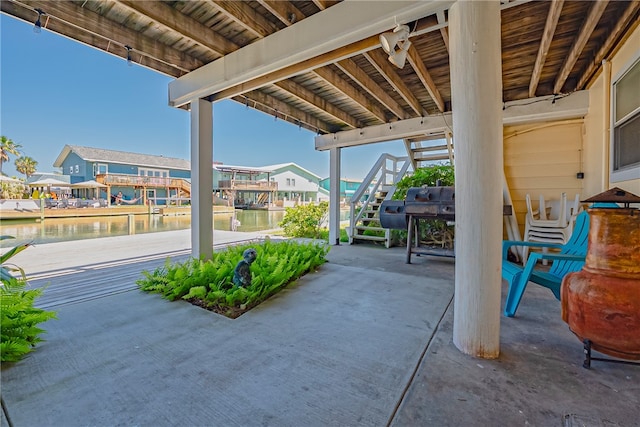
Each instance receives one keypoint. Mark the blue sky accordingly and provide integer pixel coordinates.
(55, 91)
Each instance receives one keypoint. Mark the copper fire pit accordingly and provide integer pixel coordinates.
(601, 303)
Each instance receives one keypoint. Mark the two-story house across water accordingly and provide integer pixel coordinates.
(138, 178)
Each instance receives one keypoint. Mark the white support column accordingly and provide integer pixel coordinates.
(201, 178)
(334, 196)
(476, 90)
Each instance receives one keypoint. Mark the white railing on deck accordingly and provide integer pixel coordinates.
(384, 175)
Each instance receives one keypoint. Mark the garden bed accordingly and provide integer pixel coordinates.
(209, 284)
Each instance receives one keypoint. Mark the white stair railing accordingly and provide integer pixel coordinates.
(383, 176)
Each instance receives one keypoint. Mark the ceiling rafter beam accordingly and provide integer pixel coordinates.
(553, 16)
(56, 25)
(309, 97)
(173, 20)
(581, 40)
(299, 68)
(282, 110)
(300, 48)
(423, 74)
(608, 45)
(102, 27)
(379, 60)
(286, 12)
(350, 68)
(245, 15)
(350, 91)
(445, 30)
(291, 87)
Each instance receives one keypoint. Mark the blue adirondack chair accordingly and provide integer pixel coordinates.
(570, 258)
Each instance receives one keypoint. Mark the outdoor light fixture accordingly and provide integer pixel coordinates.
(129, 60)
(398, 38)
(37, 28)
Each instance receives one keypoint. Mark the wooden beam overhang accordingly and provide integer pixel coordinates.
(378, 59)
(245, 15)
(524, 111)
(581, 40)
(607, 47)
(308, 96)
(341, 85)
(273, 106)
(553, 16)
(285, 11)
(302, 47)
(423, 74)
(191, 29)
(177, 62)
(349, 67)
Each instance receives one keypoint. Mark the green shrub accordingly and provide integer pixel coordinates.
(324, 235)
(305, 220)
(18, 317)
(425, 176)
(209, 284)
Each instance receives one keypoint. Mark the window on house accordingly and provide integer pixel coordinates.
(288, 181)
(70, 169)
(293, 182)
(77, 169)
(625, 124)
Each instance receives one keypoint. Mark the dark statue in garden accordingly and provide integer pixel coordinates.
(242, 272)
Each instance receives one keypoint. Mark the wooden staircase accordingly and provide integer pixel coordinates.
(379, 185)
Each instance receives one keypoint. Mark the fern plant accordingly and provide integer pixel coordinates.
(209, 284)
(19, 318)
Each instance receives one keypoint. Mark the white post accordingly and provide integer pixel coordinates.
(476, 91)
(201, 179)
(334, 196)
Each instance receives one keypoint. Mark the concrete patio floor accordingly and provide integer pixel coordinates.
(365, 341)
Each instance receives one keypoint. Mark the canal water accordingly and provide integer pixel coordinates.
(65, 229)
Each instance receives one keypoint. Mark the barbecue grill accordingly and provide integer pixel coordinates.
(420, 203)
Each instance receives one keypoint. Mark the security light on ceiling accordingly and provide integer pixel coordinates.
(398, 38)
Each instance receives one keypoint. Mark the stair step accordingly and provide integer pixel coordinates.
(373, 238)
(366, 227)
(376, 219)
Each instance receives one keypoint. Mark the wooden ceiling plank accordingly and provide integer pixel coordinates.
(248, 17)
(608, 45)
(94, 41)
(299, 68)
(286, 12)
(172, 19)
(547, 36)
(309, 97)
(581, 40)
(341, 85)
(350, 68)
(339, 114)
(423, 74)
(379, 60)
(84, 19)
(280, 109)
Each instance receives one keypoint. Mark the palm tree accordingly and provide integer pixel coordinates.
(26, 165)
(7, 146)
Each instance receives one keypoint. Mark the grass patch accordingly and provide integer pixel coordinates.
(209, 284)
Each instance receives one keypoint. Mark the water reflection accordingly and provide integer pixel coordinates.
(64, 229)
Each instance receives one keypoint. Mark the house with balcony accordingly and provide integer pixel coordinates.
(296, 185)
(244, 187)
(140, 178)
